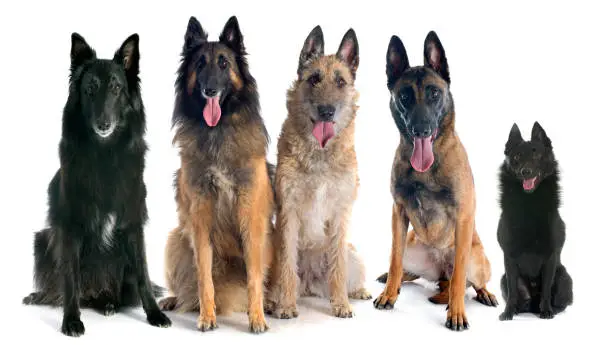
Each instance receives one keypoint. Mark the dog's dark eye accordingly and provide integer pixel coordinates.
(340, 82)
(314, 79)
(434, 94)
(222, 62)
(517, 157)
(116, 88)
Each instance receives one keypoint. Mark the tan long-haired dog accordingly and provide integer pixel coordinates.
(219, 254)
(316, 184)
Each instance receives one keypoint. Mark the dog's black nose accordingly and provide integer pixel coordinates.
(104, 126)
(526, 172)
(210, 92)
(421, 131)
(326, 112)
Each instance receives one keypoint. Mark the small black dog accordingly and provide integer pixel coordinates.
(93, 252)
(531, 232)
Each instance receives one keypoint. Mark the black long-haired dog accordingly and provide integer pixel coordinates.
(531, 232)
(92, 254)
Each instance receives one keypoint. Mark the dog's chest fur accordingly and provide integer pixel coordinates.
(318, 196)
(430, 205)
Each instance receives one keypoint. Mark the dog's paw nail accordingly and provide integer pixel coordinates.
(342, 311)
(259, 327)
(384, 302)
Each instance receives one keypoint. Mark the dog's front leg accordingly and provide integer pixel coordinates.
(399, 225)
(70, 265)
(201, 220)
(512, 282)
(254, 211)
(337, 255)
(548, 277)
(138, 260)
(456, 318)
(284, 277)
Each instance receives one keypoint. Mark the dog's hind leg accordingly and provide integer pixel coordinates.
(45, 272)
(562, 290)
(356, 276)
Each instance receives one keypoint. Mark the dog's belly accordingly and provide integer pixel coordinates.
(428, 262)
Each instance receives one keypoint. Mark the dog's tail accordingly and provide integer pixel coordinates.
(158, 291)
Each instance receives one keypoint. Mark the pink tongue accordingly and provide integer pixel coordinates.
(422, 154)
(212, 111)
(323, 131)
(529, 184)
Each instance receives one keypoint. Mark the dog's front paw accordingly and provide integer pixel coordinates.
(385, 300)
(257, 323)
(109, 309)
(506, 316)
(159, 319)
(547, 314)
(342, 310)
(285, 312)
(362, 294)
(207, 324)
(456, 320)
(72, 326)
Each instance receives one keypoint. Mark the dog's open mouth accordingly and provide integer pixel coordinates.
(422, 152)
(529, 184)
(212, 111)
(323, 131)
(106, 132)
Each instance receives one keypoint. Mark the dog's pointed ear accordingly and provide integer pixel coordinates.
(397, 60)
(514, 139)
(128, 55)
(538, 134)
(194, 33)
(232, 36)
(80, 51)
(312, 49)
(435, 57)
(348, 51)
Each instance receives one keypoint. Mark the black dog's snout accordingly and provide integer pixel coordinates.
(210, 92)
(104, 126)
(421, 131)
(326, 112)
(526, 172)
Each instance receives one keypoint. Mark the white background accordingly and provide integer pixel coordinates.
(517, 62)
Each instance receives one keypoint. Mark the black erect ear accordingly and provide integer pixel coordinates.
(232, 36)
(194, 33)
(538, 134)
(312, 49)
(397, 60)
(128, 56)
(435, 58)
(80, 51)
(348, 51)
(514, 139)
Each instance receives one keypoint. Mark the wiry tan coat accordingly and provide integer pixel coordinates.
(316, 188)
